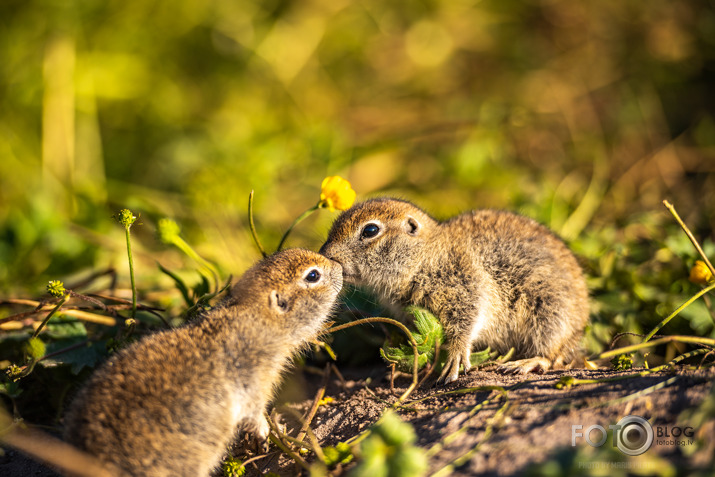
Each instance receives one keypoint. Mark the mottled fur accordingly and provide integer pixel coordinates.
(493, 278)
(171, 403)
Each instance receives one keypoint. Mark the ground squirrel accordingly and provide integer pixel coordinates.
(171, 403)
(493, 278)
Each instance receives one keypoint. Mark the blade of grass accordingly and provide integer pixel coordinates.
(690, 235)
(659, 341)
(678, 310)
(178, 282)
(296, 222)
(252, 226)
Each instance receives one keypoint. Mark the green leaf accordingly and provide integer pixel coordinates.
(88, 355)
(410, 461)
(179, 283)
(35, 348)
(202, 288)
(11, 390)
(622, 362)
(389, 450)
(340, 454)
(203, 301)
(701, 321)
(429, 333)
(65, 328)
(233, 467)
(480, 356)
(394, 431)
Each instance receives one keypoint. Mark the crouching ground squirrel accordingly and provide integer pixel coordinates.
(171, 403)
(493, 278)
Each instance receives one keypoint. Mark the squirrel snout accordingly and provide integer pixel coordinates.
(331, 251)
(335, 252)
(326, 250)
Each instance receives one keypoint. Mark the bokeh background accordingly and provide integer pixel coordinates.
(583, 115)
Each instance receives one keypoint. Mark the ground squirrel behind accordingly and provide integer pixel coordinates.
(171, 403)
(493, 278)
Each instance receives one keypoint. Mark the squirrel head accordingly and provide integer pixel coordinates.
(380, 242)
(295, 290)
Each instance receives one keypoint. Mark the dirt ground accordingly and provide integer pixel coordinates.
(536, 424)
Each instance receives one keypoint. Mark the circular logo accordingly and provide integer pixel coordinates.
(634, 435)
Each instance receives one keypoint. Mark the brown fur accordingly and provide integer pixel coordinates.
(493, 278)
(171, 403)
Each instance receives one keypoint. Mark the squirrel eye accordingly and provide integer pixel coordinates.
(369, 231)
(312, 276)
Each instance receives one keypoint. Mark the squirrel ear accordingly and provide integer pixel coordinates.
(277, 303)
(412, 227)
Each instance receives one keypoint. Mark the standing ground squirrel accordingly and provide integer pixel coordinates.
(171, 403)
(493, 278)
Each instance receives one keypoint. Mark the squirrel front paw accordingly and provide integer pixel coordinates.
(456, 356)
(262, 429)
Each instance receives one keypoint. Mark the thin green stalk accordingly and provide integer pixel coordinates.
(655, 387)
(464, 458)
(568, 381)
(659, 341)
(296, 222)
(690, 235)
(296, 458)
(276, 436)
(252, 226)
(64, 300)
(127, 219)
(205, 264)
(456, 391)
(306, 430)
(640, 393)
(413, 343)
(436, 448)
(131, 272)
(678, 310)
(169, 231)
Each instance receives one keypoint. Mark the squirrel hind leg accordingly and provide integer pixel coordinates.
(537, 364)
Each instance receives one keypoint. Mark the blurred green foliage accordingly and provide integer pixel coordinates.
(582, 115)
(574, 113)
(389, 450)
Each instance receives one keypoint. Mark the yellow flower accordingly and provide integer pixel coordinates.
(700, 273)
(326, 400)
(336, 193)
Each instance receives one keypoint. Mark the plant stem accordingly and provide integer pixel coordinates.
(131, 272)
(449, 438)
(464, 458)
(637, 394)
(645, 372)
(186, 248)
(296, 222)
(316, 404)
(659, 341)
(678, 310)
(687, 231)
(413, 343)
(276, 438)
(252, 226)
(62, 301)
